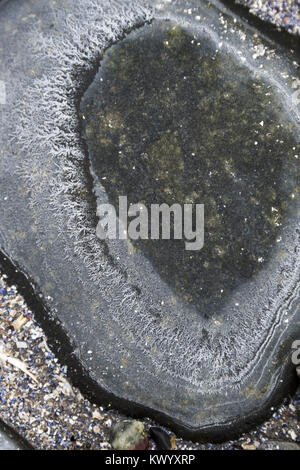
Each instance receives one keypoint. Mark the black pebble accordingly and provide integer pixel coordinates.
(161, 438)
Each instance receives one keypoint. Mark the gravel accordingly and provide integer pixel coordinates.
(282, 13)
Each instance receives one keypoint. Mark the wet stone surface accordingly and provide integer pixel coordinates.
(129, 320)
(170, 120)
(10, 441)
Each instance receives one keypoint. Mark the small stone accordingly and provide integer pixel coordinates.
(129, 435)
(247, 446)
(97, 429)
(161, 438)
(173, 443)
(96, 415)
(293, 434)
(20, 322)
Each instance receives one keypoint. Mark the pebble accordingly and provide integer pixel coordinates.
(161, 438)
(129, 435)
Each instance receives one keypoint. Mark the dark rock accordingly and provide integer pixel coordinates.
(161, 438)
(201, 342)
(129, 435)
